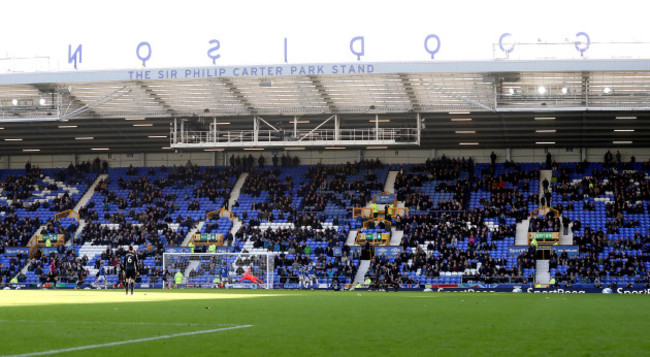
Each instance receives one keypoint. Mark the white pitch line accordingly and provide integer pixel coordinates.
(117, 343)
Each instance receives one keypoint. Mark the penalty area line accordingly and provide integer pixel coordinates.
(117, 343)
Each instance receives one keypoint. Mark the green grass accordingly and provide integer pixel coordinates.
(315, 323)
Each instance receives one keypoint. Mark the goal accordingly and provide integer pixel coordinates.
(232, 270)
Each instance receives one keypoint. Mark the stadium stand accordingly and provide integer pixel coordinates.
(460, 227)
(606, 204)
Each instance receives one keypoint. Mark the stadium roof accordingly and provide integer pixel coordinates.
(495, 104)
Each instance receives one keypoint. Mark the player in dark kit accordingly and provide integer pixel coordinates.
(130, 269)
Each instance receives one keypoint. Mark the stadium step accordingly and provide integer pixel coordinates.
(361, 272)
(25, 268)
(545, 174)
(389, 186)
(567, 239)
(248, 245)
(352, 237)
(77, 233)
(521, 237)
(89, 193)
(191, 233)
(542, 272)
(396, 237)
(193, 264)
(236, 189)
(236, 224)
(93, 252)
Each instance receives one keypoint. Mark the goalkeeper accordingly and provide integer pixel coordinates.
(252, 278)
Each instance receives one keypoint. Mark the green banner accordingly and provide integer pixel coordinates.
(375, 236)
(52, 237)
(544, 235)
(210, 236)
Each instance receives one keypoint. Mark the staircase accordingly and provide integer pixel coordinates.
(567, 239)
(361, 272)
(389, 186)
(191, 266)
(521, 237)
(236, 224)
(395, 237)
(89, 193)
(77, 233)
(542, 272)
(234, 195)
(84, 201)
(545, 174)
(236, 189)
(46, 194)
(25, 268)
(91, 251)
(352, 238)
(191, 233)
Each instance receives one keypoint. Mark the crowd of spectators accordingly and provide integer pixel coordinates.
(408, 184)
(506, 191)
(606, 250)
(20, 187)
(267, 180)
(385, 274)
(144, 214)
(216, 183)
(476, 264)
(16, 232)
(331, 184)
(153, 233)
(546, 223)
(444, 228)
(588, 268)
(8, 271)
(248, 162)
(62, 267)
(291, 268)
(293, 240)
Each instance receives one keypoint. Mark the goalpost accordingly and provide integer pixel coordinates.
(233, 270)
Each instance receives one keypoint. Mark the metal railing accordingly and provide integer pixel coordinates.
(385, 136)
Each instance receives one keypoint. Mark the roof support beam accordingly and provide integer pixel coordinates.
(105, 99)
(238, 94)
(267, 123)
(406, 82)
(156, 98)
(466, 100)
(315, 80)
(318, 127)
(65, 115)
(585, 89)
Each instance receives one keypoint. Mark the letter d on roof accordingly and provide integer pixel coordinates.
(357, 53)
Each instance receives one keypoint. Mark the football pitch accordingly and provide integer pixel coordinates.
(196, 322)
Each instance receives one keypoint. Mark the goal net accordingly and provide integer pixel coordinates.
(214, 270)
